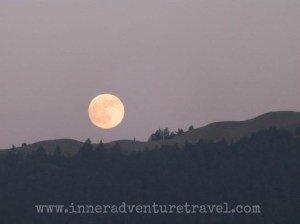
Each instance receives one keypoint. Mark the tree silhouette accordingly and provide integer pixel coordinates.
(180, 131)
(100, 146)
(157, 135)
(86, 150)
(191, 128)
(87, 146)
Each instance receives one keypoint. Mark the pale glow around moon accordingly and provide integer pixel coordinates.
(106, 111)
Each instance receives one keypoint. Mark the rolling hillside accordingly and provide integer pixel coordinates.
(228, 130)
(233, 130)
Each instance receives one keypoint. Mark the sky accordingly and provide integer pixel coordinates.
(172, 62)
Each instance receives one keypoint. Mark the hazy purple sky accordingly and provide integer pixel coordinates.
(172, 62)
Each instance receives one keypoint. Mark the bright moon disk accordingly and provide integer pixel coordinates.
(106, 111)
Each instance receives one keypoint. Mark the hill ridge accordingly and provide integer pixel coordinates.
(228, 130)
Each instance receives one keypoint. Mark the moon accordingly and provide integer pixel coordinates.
(106, 111)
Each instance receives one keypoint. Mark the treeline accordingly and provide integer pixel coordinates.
(261, 169)
(165, 133)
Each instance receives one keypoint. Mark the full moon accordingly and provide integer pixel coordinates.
(106, 111)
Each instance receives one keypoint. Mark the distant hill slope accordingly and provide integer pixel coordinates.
(228, 130)
(233, 130)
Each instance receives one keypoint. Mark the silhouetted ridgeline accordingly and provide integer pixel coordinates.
(228, 130)
(260, 169)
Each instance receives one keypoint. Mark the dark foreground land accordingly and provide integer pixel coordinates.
(262, 169)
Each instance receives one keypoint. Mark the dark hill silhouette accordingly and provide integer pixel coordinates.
(258, 170)
(228, 130)
(234, 130)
